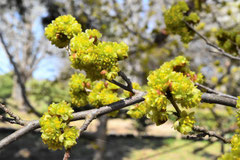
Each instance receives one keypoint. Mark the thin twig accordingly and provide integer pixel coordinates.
(66, 154)
(7, 119)
(226, 54)
(118, 14)
(198, 137)
(195, 128)
(127, 80)
(170, 97)
(120, 85)
(220, 50)
(15, 119)
(89, 118)
(209, 133)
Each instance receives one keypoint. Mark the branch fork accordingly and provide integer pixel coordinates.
(127, 87)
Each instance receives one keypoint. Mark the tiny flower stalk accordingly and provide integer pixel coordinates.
(170, 98)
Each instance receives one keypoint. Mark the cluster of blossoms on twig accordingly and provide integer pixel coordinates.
(98, 59)
(172, 84)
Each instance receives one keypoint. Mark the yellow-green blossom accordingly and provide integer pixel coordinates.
(62, 30)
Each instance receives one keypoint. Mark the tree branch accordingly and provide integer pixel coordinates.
(89, 118)
(137, 98)
(32, 125)
(213, 98)
(200, 86)
(220, 50)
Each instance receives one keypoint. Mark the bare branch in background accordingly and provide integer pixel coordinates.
(203, 147)
(210, 133)
(15, 119)
(16, 71)
(118, 14)
(220, 50)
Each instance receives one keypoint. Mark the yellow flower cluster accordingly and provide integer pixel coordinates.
(173, 79)
(138, 110)
(185, 123)
(54, 127)
(62, 30)
(78, 85)
(235, 151)
(98, 59)
(229, 40)
(103, 93)
(174, 20)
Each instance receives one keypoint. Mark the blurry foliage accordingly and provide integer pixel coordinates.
(206, 118)
(6, 85)
(229, 40)
(46, 92)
